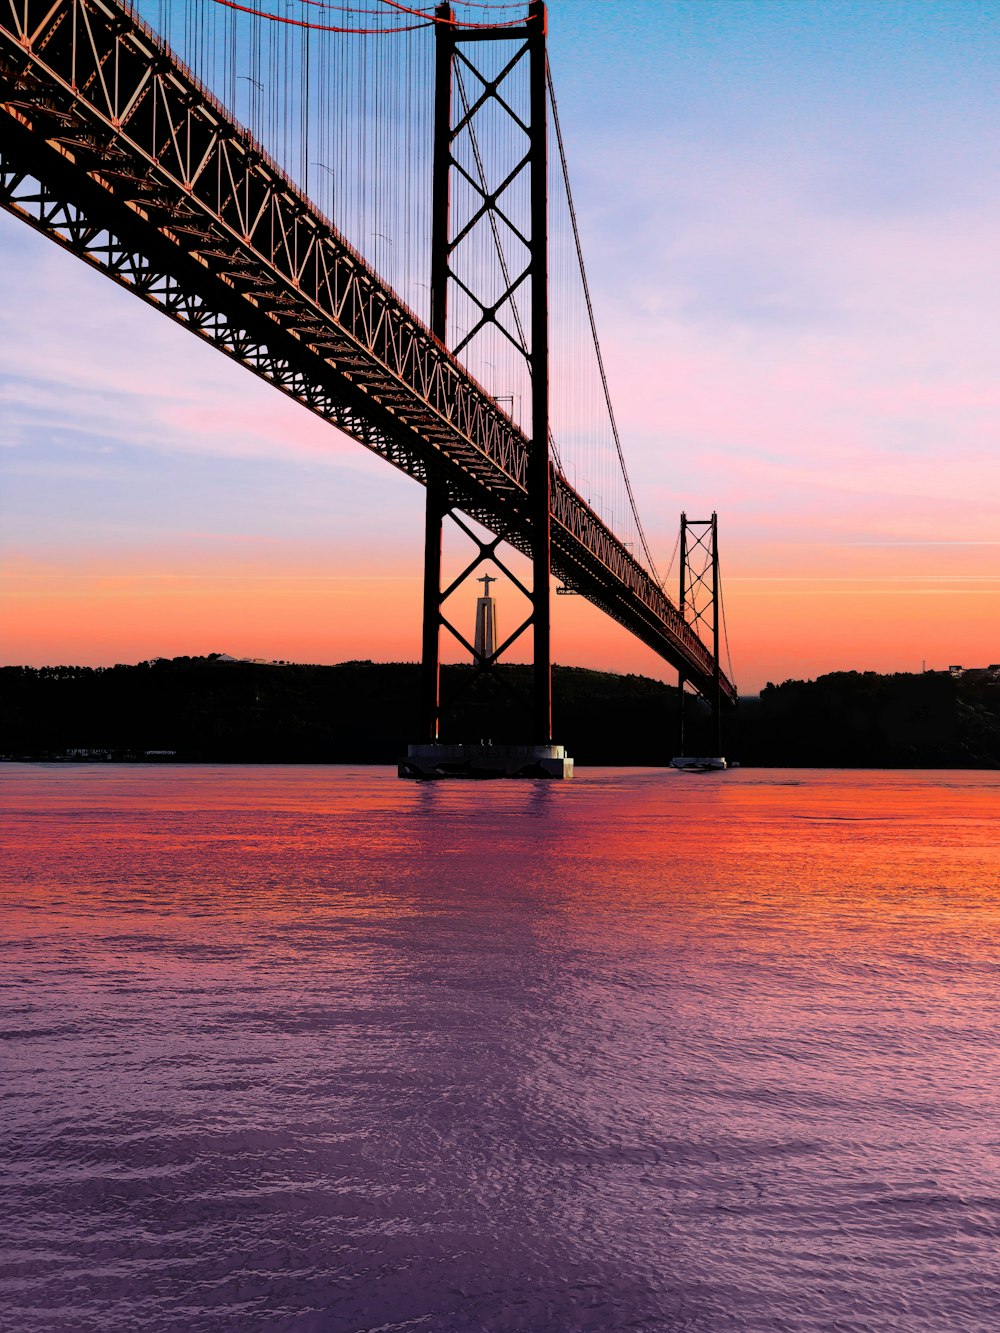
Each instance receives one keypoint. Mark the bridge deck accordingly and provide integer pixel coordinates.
(111, 147)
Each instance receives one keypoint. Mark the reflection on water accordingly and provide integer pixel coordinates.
(293, 1048)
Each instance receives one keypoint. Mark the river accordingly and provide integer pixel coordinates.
(318, 1049)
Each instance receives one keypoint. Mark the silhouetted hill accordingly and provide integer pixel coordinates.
(208, 709)
(356, 712)
(852, 719)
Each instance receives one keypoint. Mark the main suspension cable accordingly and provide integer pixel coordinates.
(725, 633)
(593, 326)
(428, 19)
(320, 27)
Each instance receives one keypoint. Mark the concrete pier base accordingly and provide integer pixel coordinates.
(486, 761)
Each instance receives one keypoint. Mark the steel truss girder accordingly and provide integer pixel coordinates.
(110, 147)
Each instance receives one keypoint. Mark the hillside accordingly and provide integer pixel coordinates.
(206, 709)
(852, 719)
(211, 709)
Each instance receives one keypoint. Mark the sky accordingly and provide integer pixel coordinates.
(790, 213)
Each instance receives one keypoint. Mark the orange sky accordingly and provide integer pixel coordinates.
(809, 622)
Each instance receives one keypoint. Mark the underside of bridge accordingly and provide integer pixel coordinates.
(111, 147)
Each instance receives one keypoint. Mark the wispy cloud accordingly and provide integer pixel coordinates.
(116, 373)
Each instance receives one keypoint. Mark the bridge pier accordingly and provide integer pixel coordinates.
(485, 760)
(430, 666)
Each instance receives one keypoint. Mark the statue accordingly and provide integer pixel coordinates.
(486, 622)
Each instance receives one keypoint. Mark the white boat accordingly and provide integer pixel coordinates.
(691, 764)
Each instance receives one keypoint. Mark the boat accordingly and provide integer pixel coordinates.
(701, 764)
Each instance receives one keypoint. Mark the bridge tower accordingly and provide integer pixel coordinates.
(700, 605)
(539, 757)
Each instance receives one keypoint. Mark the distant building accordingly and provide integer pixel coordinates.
(989, 673)
(226, 660)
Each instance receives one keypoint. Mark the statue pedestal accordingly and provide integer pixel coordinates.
(484, 760)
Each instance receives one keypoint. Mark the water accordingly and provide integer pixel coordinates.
(316, 1049)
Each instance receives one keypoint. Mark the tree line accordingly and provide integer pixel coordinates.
(202, 709)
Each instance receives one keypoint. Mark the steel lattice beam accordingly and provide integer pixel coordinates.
(109, 146)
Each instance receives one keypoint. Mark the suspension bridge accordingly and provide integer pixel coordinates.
(293, 181)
